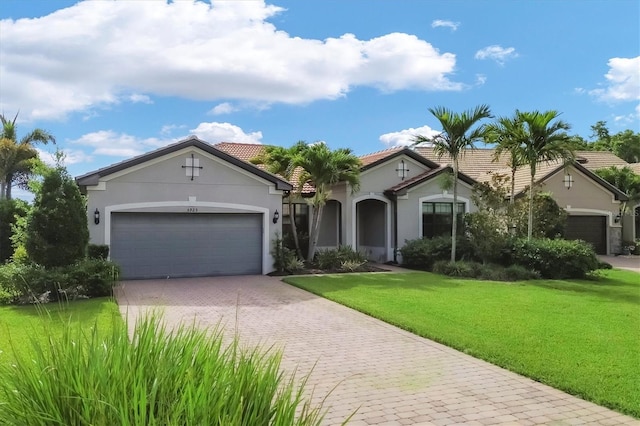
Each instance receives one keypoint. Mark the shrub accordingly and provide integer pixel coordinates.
(98, 251)
(554, 259)
(282, 256)
(457, 269)
(10, 212)
(294, 265)
(423, 252)
(332, 259)
(519, 273)
(350, 265)
(29, 282)
(184, 376)
(57, 230)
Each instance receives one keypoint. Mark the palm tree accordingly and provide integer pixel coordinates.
(279, 160)
(457, 136)
(627, 181)
(17, 156)
(543, 140)
(324, 168)
(508, 134)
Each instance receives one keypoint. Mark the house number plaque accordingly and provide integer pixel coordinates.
(192, 210)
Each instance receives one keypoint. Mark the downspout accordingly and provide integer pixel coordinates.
(394, 200)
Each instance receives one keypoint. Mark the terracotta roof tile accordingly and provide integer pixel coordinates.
(594, 160)
(420, 177)
(379, 155)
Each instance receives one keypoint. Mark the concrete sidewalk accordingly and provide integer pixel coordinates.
(390, 376)
(631, 263)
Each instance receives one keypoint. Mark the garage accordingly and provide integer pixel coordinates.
(172, 245)
(592, 229)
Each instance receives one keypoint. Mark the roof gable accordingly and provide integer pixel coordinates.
(93, 178)
(370, 161)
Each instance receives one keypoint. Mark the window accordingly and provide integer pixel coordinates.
(437, 218)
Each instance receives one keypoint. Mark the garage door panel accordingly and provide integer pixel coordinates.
(153, 245)
(592, 229)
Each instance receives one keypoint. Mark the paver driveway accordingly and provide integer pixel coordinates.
(390, 376)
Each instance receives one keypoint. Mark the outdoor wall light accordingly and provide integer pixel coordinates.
(568, 181)
(96, 216)
(617, 218)
(276, 216)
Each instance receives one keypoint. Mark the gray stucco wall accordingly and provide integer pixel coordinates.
(162, 185)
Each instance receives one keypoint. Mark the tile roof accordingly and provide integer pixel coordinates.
(474, 162)
(594, 160)
(379, 155)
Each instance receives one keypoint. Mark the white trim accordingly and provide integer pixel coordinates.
(256, 209)
(354, 203)
(101, 186)
(466, 201)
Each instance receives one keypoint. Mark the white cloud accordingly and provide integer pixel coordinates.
(138, 98)
(623, 81)
(406, 137)
(223, 108)
(497, 53)
(71, 156)
(225, 132)
(108, 142)
(444, 23)
(195, 50)
(628, 118)
(167, 129)
(481, 79)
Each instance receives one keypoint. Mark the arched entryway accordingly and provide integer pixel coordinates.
(372, 219)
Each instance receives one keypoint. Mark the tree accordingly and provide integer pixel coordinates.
(457, 136)
(508, 134)
(57, 230)
(280, 161)
(324, 168)
(627, 181)
(10, 212)
(543, 140)
(17, 156)
(626, 145)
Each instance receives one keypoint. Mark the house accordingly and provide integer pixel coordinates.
(187, 209)
(196, 209)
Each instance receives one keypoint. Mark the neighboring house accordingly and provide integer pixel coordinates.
(187, 209)
(195, 209)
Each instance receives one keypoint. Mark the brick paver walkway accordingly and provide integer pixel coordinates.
(391, 377)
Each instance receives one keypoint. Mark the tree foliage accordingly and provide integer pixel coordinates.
(458, 135)
(323, 168)
(18, 156)
(10, 212)
(57, 231)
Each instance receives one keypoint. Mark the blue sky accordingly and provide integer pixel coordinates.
(114, 79)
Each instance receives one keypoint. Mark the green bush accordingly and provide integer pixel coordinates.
(57, 232)
(491, 272)
(333, 259)
(158, 377)
(30, 282)
(554, 259)
(282, 256)
(10, 212)
(98, 251)
(423, 252)
(457, 269)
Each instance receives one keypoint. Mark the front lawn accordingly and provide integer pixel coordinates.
(20, 325)
(579, 336)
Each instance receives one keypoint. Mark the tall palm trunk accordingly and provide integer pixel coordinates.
(454, 224)
(294, 227)
(530, 221)
(315, 226)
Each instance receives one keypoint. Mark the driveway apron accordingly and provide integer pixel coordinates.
(386, 375)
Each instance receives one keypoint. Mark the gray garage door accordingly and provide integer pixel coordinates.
(160, 245)
(592, 229)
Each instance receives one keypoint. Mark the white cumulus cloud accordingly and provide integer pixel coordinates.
(223, 108)
(108, 142)
(497, 53)
(407, 136)
(225, 132)
(622, 81)
(445, 23)
(97, 53)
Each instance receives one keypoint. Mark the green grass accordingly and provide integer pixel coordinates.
(579, 336)
(21, 326)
